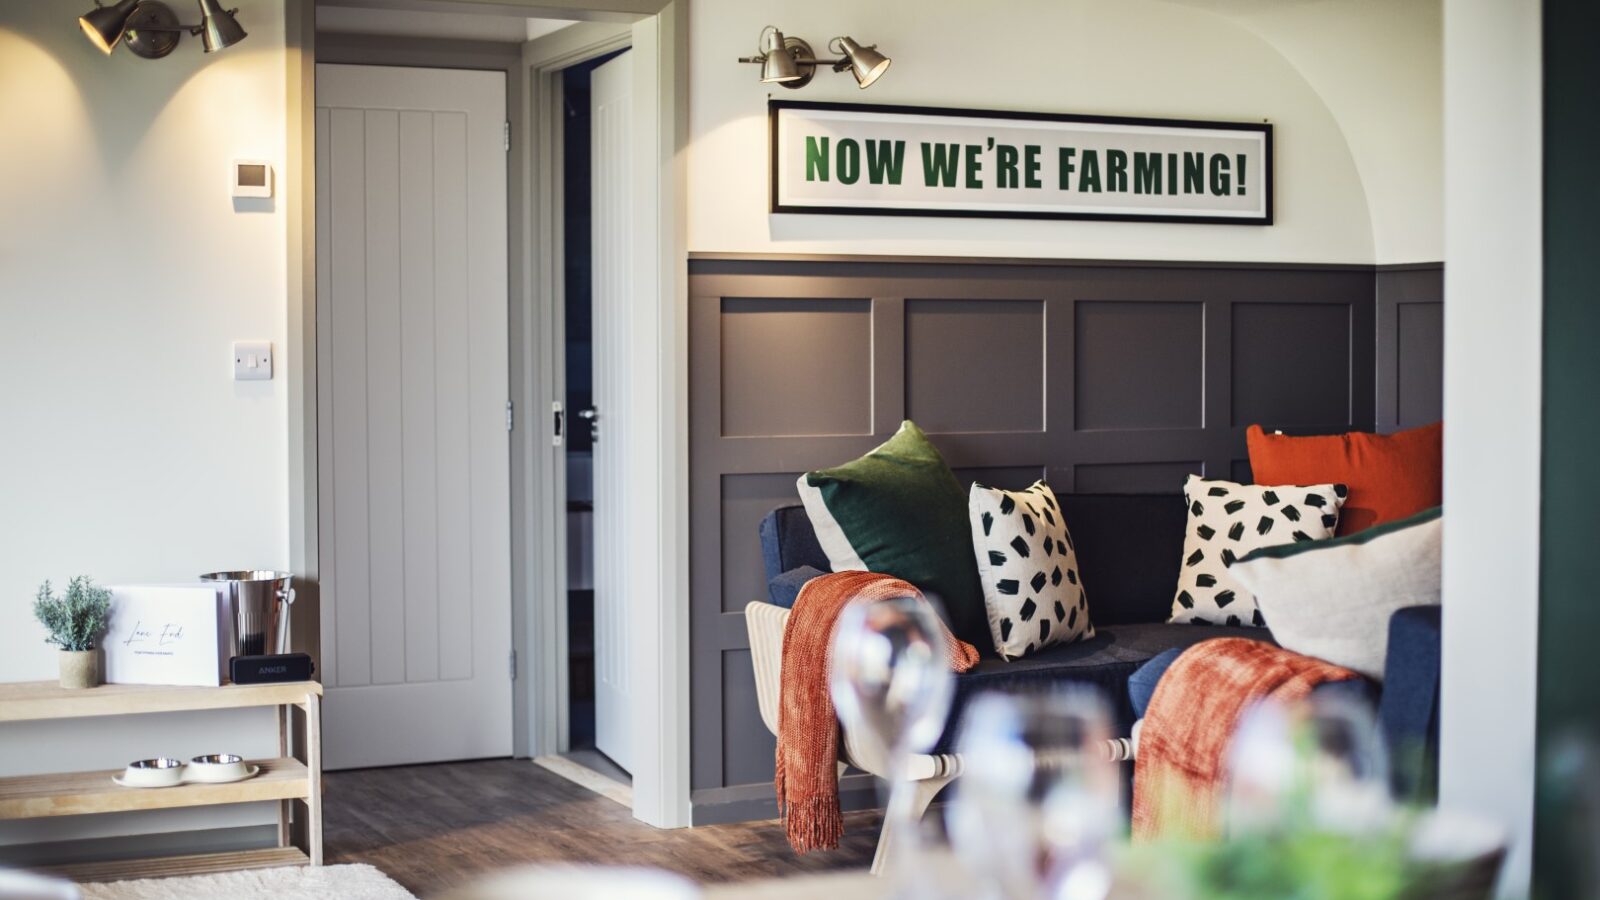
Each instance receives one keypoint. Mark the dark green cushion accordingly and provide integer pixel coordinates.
(902, 512)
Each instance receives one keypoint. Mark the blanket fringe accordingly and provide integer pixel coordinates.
(814, 823)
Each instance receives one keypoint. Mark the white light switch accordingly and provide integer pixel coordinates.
(252, 360)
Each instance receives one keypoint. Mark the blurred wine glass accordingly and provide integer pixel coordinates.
(1039, 801)
(889, 675)
(1322, 765)
(1350, 766)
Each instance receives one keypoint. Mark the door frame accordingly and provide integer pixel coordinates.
(658, 31)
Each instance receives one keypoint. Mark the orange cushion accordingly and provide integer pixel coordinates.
(1390, 476)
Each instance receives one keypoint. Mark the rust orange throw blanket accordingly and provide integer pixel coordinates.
(1183, 743)
(808, 733)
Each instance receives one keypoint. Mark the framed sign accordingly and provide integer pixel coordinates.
(858, 159)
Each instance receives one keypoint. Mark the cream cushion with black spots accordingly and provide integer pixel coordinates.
(1228, 521)
(1028, 568)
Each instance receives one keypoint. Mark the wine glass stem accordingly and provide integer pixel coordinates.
(903, 824)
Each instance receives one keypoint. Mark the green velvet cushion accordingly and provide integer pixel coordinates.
(899, 510)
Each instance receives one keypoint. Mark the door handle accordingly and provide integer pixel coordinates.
(592, 416)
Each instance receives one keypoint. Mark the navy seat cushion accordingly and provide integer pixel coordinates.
(1103, 663)
(1409, 711)
(788, 542)
(785, 589)
(1142, 683)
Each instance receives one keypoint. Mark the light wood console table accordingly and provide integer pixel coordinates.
(293, 779)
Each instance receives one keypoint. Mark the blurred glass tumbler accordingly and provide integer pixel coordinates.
(258, 610)
(1039, 803)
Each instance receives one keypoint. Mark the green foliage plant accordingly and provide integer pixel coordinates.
(1296, 857)
(76, 619)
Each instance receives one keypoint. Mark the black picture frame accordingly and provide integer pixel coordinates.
(775, 207)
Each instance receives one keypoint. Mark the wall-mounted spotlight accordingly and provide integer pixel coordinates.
(789, 61)
(150, 29)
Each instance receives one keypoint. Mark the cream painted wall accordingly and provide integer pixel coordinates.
(1378, 65)
(1134, 57)
(1493, 346)
(125, 274)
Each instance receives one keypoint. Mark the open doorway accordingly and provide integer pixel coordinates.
(595, 713)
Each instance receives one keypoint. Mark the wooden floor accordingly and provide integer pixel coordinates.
(433, 827)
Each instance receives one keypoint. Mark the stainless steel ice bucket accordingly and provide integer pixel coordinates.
(258, 603)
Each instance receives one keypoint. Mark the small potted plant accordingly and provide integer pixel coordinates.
(75, 622)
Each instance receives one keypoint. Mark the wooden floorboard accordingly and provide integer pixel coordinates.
(434, 827)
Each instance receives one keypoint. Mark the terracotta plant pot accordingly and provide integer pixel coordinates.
(80, 669)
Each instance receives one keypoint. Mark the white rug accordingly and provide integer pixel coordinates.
(349, 882)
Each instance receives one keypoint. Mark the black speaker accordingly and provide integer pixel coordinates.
(271, 668)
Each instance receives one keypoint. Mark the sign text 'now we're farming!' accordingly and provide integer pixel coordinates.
(891, 160)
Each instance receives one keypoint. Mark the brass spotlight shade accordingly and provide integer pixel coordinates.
(218, 27)
(777, 61)
(789, 61)
(104, 25)
(865, 63)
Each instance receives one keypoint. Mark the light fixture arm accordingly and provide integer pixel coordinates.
(838, 65)
(193, 30)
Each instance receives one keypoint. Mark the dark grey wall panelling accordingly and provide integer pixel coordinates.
(1139, 365)
(1101, 377)
(1410, 306)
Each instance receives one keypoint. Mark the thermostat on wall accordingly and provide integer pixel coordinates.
(252, 178)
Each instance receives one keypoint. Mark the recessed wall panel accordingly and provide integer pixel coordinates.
(748, 747)
(1134, 478)
(1139, 365)
(975, 365)
(1420, 333)
(746, 500)
(1010, 478)
(1291, 364)
(796, 367)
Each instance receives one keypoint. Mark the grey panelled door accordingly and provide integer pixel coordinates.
(413, 374)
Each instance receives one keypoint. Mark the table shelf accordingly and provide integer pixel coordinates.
(82, 793)
(29, 701)
(292, 780)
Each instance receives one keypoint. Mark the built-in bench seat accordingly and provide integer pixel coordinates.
(1129, 549)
